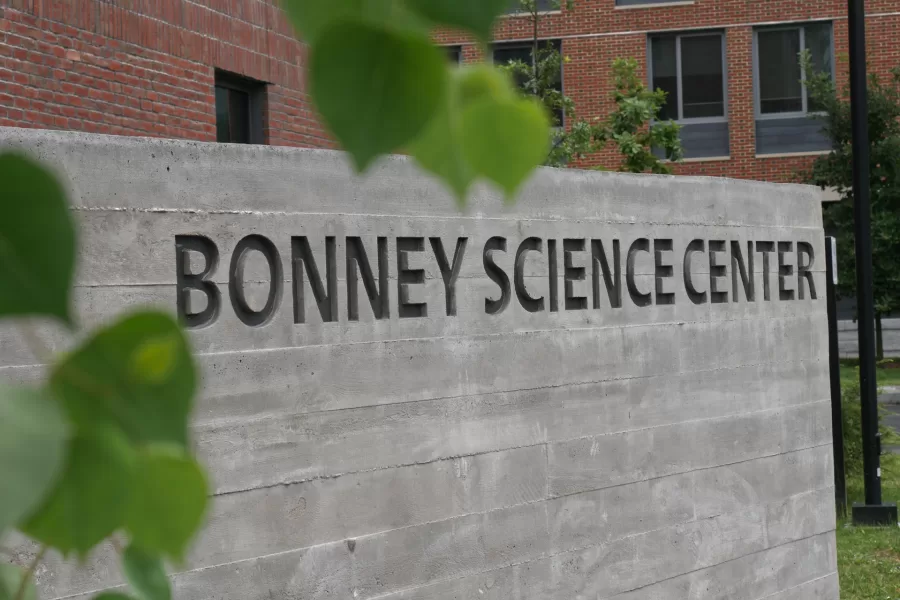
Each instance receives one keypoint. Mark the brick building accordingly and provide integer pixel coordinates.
(232, 70)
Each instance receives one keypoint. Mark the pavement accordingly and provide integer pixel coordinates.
(848, 344)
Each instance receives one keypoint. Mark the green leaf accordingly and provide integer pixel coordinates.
(37, 241)
(11, 581)
(33, 435)
(482, 81)
(475, 15)
(505, 140)
(439, 149)
(112, 596)
(89, 502)
(312, 17)
(154, 359)
(146, 574)
(158, 519)
(137, 375)
(376, 89)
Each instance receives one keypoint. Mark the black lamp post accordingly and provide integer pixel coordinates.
(873, 511)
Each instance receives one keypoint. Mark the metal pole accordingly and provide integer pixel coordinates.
(834, 362)
(873, 512)
(862, 217)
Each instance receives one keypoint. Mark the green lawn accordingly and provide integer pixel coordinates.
(886, 376)
(869, 558)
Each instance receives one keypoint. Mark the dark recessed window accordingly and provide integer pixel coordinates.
(515, 7)
(239, 109)
(785, 113)
(454, 54)
(523, 52)
(779, 72)
(690, 68)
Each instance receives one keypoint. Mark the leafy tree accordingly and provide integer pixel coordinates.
(631, 127)
(541, 77)
(836, 170)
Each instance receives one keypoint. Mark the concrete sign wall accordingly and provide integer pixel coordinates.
(616, 388)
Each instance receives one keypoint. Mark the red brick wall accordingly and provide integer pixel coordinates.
(594, 33)
(146, 67)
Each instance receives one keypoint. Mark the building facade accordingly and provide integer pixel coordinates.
(231, 70)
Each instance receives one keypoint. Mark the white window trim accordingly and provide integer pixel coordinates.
(757, 100)
(678, 83)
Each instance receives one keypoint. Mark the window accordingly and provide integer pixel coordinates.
(506, 53)
(454, 54)
(690, 68)
(515, 7)
(239, 109)
(779, 73)
(783, 105)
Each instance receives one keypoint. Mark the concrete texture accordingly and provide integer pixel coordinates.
(651, 451)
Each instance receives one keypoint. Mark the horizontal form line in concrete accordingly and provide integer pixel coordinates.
(462, 217)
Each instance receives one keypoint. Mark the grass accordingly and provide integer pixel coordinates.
(886, 375)
(869, 563)
(869, 557)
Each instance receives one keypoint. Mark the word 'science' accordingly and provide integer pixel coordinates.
(790, 261)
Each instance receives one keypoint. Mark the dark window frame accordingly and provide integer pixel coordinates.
(256, 103)
(678, 36)
(757, 89)
(517, 11)
(527, 45)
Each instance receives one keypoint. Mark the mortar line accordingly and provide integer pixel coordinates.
(511, 219)
(799, 585)
(222, 421)
(483, 336)
(589, 547)
(725, 562)
(542, 557)
(500, 334)
(544, 443)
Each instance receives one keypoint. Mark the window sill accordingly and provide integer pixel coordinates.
(794, 154)
(696, 160)
(656, 5)
(700, 159)
(788, 115)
